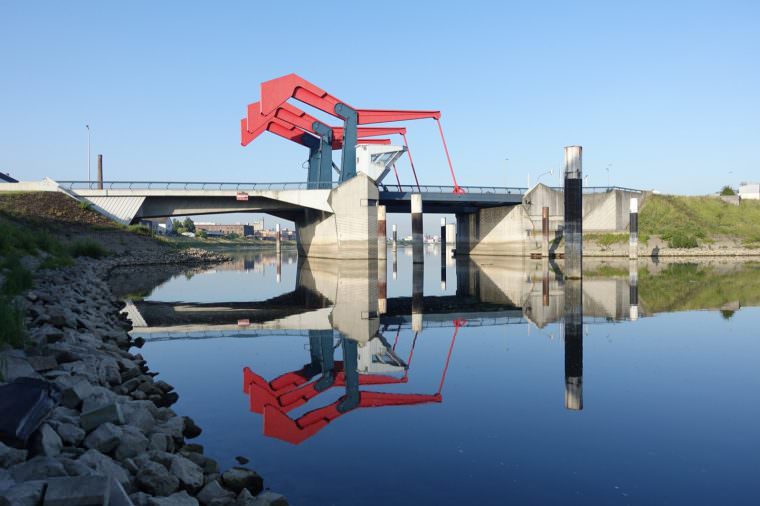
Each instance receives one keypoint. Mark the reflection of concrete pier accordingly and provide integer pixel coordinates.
(573, 344)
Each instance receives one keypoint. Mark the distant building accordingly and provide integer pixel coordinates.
(215, 229)
(749, 191)
(159, 226)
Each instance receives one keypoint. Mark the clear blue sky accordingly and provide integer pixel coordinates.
(666, 92)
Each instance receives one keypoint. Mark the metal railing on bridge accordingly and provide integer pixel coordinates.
(193, 185)
(427, 188)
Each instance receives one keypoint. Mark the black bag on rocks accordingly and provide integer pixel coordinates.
(24, 404)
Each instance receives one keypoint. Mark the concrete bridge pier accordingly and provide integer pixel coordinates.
(573, 232)
(382, 286)
(382, 235)
(350, 231)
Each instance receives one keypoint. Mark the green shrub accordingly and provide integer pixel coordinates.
(17, 278)
(727, 191)
(607, 239)
(87, 248)
(11, 324)
(140, 230)
(681, 240)
(85, 204)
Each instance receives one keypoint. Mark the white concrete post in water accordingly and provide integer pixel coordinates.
(573, 232)
(277, 238)
(417, 237)
(382, 235)
(633, 242)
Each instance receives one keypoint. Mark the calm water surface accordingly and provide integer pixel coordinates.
(484, 389)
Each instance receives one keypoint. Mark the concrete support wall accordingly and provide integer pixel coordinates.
(506, 231)
(350, 231)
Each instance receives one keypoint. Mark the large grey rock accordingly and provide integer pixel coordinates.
(190, 428)
(108, 370)
(110, 413)
(160, 442)
(70, 434)
(75, 390)
(133, 442)
(104, 439)
(46, 442)
(213, 491)
(75, 467)
(178, 499)
(65, 415)
(99, 397)
(38, 468)
(155, 479)
(13, 366)
(190, 474)
(239, 478)
(85, 491)
(23, 494)
(11, 456)
(141, 414)
(43, 363)
(104, 466)
(245, 498)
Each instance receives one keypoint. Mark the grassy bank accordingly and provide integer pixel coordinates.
(24, 247)
(221, 243)
(692, 221)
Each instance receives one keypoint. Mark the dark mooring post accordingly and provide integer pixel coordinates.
(573, 232)
(277, 238)
(395, 262)
(545, 232)
(633, 241)
(417, 237)
(573, 344)
(382, 233)
(100, 172)
(633, 284)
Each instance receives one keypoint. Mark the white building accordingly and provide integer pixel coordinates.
(749, 191)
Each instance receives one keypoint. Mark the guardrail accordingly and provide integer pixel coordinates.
(413, 188)
(189, 185)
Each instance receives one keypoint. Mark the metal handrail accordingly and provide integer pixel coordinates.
(413, 188)
(193, 185)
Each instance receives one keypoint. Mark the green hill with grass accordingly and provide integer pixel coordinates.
(688, 221)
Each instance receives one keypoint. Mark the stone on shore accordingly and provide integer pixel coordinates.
(239, 478)
(213, 491)
(11, 456)
(70, 434)
(155, 479)
(28, 493)
(104, 439)
(103, 465)
(38, 468)
(133, 442)
(263, 499)
(178, 499)
(190, 474)
(85, 491)
(46, 442)
(109, 413)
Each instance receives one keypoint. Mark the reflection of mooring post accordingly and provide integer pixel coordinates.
(278, 265)
(573, 232)
(418, 282)
(395, 263)
(545, 282)
(633, 242)
(277, 245)
(545, 232)
(382, 286)
(417, 238)
(633, 283)
(395, 238)
(573, 344)
(382, 235)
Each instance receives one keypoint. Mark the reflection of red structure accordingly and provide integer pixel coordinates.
(274, 399)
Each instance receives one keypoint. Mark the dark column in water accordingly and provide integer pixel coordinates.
(633, 241)
(573, 344)
(442, 244)
(573, 232)
(382, 286)
(633, 284)
(417, 236)
(394, 245)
